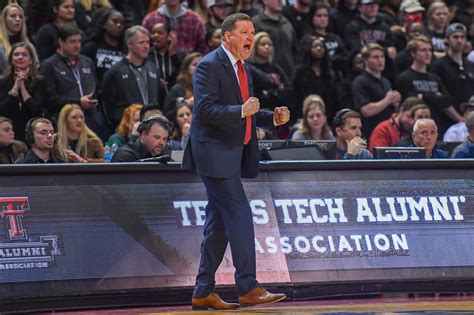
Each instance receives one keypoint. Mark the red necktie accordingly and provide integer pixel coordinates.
(244, 91)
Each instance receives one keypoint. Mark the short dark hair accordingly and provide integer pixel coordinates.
(147, 123)
(229, 22)
(342, 115)
(148, 107)
(68, 29)
(411, 102)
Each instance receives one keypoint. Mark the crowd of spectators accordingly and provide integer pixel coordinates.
(94, 80)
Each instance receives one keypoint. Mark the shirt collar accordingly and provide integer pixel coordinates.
(232, 59)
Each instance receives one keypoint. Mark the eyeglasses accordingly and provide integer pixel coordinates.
(21, 53)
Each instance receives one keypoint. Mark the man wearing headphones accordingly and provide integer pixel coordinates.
(154, 133)
(350, 145)
(39, 134)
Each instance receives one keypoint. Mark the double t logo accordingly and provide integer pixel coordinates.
(12, 211)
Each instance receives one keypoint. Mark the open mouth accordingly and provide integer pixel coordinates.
(247, 47)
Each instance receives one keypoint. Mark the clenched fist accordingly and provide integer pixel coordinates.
(251, 107)
(282, 115)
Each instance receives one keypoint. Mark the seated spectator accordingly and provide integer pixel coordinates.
(419, 111)
(354, 67)
(425, 134)
(261, 58)
(314, 76)
(373, 94)
(465, 147)
(39, 134)
(318, 28)
(418, 81)
(437, 16)
(127, 128)
(458, 132)
(186, 23)
(75, 142)
(10, 149)
(182, 91)
(134, 79)
(153, 141)
(347, 126)
(104, 45)
(46, 40)
(182, 123)
(314, 123)
(12, 30)
(22, 89)
(165, 56)
(397, 127)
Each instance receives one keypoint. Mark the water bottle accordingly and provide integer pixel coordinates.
(113, 149)
(107, 154)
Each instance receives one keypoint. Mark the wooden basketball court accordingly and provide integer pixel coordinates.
(380, 305)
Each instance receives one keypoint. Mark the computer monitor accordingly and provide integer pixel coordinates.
(327, 148)
(293, 153)
(399, 152)
(271, 144)
(265, 145)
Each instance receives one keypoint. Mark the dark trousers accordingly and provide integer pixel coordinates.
(228, 220)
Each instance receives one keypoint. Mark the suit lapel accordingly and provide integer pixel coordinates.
(229, 70)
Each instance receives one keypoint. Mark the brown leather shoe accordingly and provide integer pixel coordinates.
(260, 296)
(212, 301)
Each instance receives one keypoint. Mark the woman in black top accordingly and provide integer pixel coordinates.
(318, 27)
(12, 31)
(104, 45)
(262, 58)
(182, 91)
(47, 37)
(314, 76)
(165, 56)
(22, 90)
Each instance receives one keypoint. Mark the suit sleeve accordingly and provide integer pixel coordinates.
(207, 87)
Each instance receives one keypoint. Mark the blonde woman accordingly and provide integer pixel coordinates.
(314, 123)
(12, 31)
(75, 142)
(437, 15)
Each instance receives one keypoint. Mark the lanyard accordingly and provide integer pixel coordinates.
(77, 74)
(141, 87)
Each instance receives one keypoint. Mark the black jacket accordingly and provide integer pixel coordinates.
(31, 158)
(134, 151)
(62, 85)
(19, 111)
(120, 89)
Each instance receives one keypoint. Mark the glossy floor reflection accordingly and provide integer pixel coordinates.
(383, 305)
